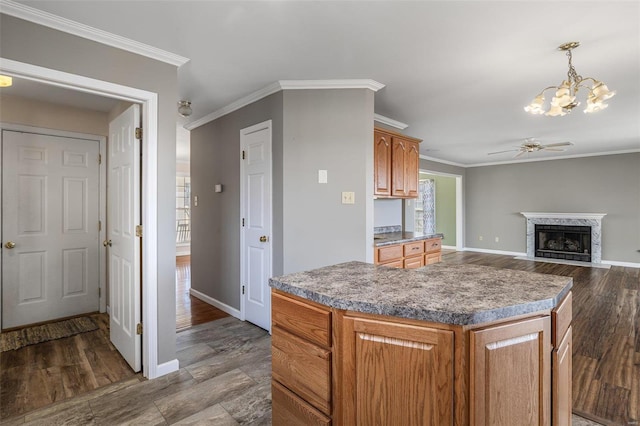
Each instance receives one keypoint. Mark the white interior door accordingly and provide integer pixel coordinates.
(50, 236)
(123, 247)
(256, 244)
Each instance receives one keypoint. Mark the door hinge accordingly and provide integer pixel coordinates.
(243, 154)
(242, 289)
(138, 230)
(139, 328)
(243, 221)
(139, 133)
(99, 158)
(99, 225)
(99, 292)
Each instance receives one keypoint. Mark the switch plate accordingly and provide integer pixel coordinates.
(322, 176)
(480, 238)
(348, 198)
(497, 239)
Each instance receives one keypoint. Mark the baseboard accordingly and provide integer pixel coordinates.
(213, 302)
(490, 251)
(449, 247)
(109, 309)
(616, 263)
(167, 367)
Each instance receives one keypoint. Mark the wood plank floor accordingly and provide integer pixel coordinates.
(190, 310)
(226, 364)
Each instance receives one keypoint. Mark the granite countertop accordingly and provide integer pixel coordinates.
(444, 293)
(390, 238)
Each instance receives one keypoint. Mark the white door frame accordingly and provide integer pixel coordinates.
(459, 206)
(149, 102)
(243, 257)
(102, 212)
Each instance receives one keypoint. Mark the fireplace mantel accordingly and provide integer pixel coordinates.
(594, 220)
(596, 216)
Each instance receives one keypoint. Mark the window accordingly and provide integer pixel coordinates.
(183, 209)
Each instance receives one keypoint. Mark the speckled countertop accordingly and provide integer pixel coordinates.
(390, 238)
(444, 293)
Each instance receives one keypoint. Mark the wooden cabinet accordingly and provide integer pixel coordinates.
(382, 163)
(396, 165)
(561, 362)
(414, 254)
(396, 374)
(346, 368)
(511, 374)
(300, 361)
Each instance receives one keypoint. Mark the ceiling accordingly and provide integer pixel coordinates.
(457, 72)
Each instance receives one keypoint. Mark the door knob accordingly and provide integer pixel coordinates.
(10, 244)
(264, 239)
(106, 243)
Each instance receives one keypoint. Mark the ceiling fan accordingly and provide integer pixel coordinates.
(532, 145)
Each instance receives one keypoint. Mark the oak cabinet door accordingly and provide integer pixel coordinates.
(396, 374)
(561, 360)
(411, 168)
(382, 164)
(510, 374)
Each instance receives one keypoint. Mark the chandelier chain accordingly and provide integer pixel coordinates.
(572, 74)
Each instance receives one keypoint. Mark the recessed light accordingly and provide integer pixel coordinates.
(5, 81)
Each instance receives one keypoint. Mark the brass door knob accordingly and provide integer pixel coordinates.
(264, 239)
(10, 244)
(106, 243)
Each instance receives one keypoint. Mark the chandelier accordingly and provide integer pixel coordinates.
(565, 97)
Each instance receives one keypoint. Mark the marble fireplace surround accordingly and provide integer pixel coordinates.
(594, 220)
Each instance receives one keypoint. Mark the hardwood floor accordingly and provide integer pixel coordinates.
(226, 364)
(190, 310)
(38, 375)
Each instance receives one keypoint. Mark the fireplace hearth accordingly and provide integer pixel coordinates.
(563, 242)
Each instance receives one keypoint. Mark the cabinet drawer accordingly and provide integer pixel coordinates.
(301, 319)
(433, 244)
(290, 410)
(431, 258)
(561, 320)
(302, 367)
(389, 253)
(394, 264)
(413, 249)
(414, 262)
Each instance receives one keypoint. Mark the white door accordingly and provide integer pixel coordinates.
(50, 236)
(123, 247)
(256, 232)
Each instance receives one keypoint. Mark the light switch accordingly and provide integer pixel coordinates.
(322, 176)
(218, 187)
(348, 198)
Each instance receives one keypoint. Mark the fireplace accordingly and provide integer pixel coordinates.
(563, 242)
(578, 232)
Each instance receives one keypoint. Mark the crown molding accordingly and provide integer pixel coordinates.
(12, 8)
(389, 121)
(284, 85)
(562, 157)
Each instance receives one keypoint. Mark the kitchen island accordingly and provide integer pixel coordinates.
(358, 344)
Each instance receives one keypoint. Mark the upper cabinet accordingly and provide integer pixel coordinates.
(396, 164)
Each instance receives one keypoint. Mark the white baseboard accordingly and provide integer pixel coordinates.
(450, 247)
(213, 302)
(109, 309)
(490, 251)
(167, 367)
(616, 263)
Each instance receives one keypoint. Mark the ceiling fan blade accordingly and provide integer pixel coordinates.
(521, 153)
(554, 149)
(501, 152)
(557, 144)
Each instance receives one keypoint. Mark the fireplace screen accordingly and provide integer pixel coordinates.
(563, 242)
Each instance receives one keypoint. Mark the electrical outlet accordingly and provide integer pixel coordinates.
(195, 201)
(497, 240)
(348, 198)
(480, 238)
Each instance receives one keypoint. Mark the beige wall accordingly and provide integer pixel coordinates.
(31, 112)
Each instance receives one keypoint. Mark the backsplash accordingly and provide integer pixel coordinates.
(387, 229)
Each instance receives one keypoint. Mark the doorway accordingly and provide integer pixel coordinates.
(149, 102)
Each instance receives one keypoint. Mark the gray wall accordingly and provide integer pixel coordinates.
(215, 235)
(495, 196)
(330, 130)
(34, 44)
(387, 212)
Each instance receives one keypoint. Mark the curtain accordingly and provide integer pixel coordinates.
(427, 189)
